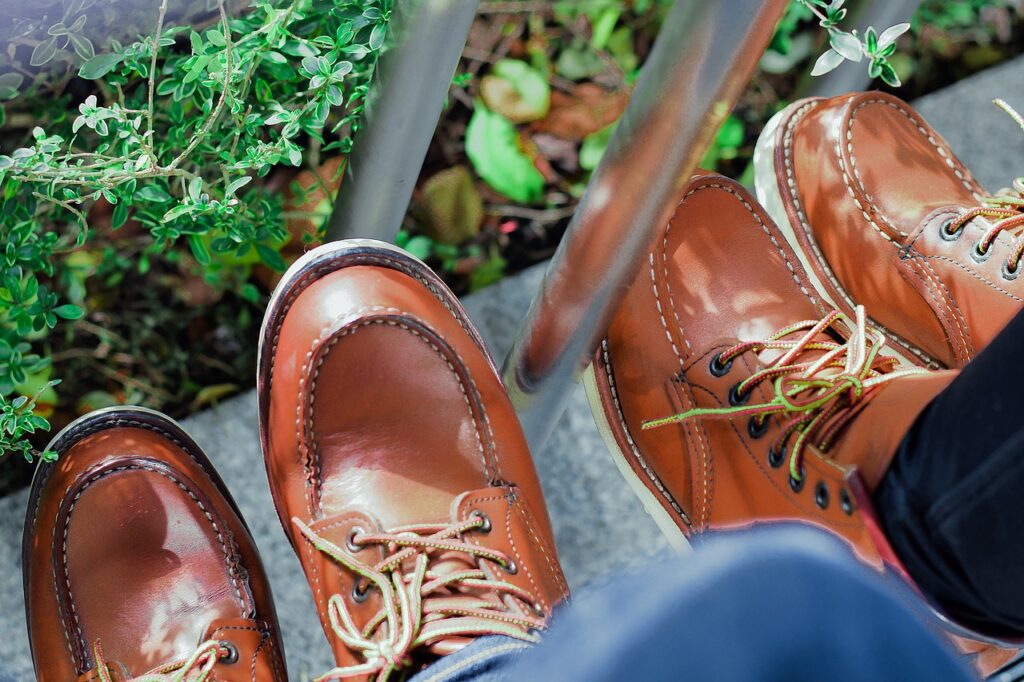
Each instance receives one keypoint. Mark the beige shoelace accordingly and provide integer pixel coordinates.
(421, 605)
(1006, 206)
(196, 668)
(819, 384)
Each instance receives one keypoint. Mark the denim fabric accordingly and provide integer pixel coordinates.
(787, 604)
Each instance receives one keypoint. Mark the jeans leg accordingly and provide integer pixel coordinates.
(950, 501)
(787, 604)
(488, 659)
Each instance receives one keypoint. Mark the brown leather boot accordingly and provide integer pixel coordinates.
(137, 562)
(397, 464)
(730, 394)
(881, 213)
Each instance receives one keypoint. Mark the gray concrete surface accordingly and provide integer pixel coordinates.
(599, 525)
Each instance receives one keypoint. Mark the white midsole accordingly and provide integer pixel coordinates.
(676, 539)
(769, 194)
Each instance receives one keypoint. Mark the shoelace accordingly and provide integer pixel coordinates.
(819, 385)
(421, 605)
(196, 668)
(1007, 206)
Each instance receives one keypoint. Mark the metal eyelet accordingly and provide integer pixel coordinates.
(736, 398)
(980, 256)
(846, 502)
(350, 542)
(821, 495)
(231, 657)
(1011, 274)
(511, 567)
(795, 485)
(486, 527)
(719, 368)
(360, 594)
(950, 235)
(757, 427)
(776, 456)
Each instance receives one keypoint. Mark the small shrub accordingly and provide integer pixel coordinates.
(173, 138)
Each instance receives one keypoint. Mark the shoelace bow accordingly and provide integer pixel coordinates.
(1007, 206)
(196, 668)
(422, 605)
(818, 393)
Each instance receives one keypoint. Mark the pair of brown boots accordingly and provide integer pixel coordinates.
(738, 383)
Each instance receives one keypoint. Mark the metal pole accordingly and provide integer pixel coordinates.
(704, 56)
(406, 98)
(851, 77)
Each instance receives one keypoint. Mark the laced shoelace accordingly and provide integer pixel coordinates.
(1006, 207)
(421, 605)
(818, 384)
(196, 668)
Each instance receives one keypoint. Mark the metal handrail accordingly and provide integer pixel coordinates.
(704, 56)
(408, 93)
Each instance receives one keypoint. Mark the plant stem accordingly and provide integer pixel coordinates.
(215, 114)
(152, 74)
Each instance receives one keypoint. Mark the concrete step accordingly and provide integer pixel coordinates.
(599, 525)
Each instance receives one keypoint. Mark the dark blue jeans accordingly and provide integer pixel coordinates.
(787, 604)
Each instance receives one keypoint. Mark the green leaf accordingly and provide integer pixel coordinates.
(828, 61)
(44, 52)
(199, 250)
(68, 311)
(517, 91)
(120, 215)
(83, 46)
(420, 246)
(10, 84)
(846, 44)
(271, 257)
(99, 66)
(237, 185)
(594, 146)
(492, 144)
(890, 35)
(153, 193)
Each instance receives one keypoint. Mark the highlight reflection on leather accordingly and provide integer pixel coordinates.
(133, 542)
(867, 186)
(380, 408)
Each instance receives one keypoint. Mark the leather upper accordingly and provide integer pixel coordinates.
(132, 542)
(868, 187)
(722, 274)
(380, 409)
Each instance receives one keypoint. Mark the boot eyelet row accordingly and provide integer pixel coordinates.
(846, 502)
(980, 256)
(360, 592)
(477, 514)
(948, 234)
(821, 495)
(719, 368)
(736, 398)
(231, 657)
(798, 485)
(757, 427)
(350, 544)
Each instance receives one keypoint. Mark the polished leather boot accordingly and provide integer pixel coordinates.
(397, 464)
(731, 394)
(882, 214)
(138, 564)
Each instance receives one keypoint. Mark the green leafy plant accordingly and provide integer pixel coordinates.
(175, 141)
(851, 46)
